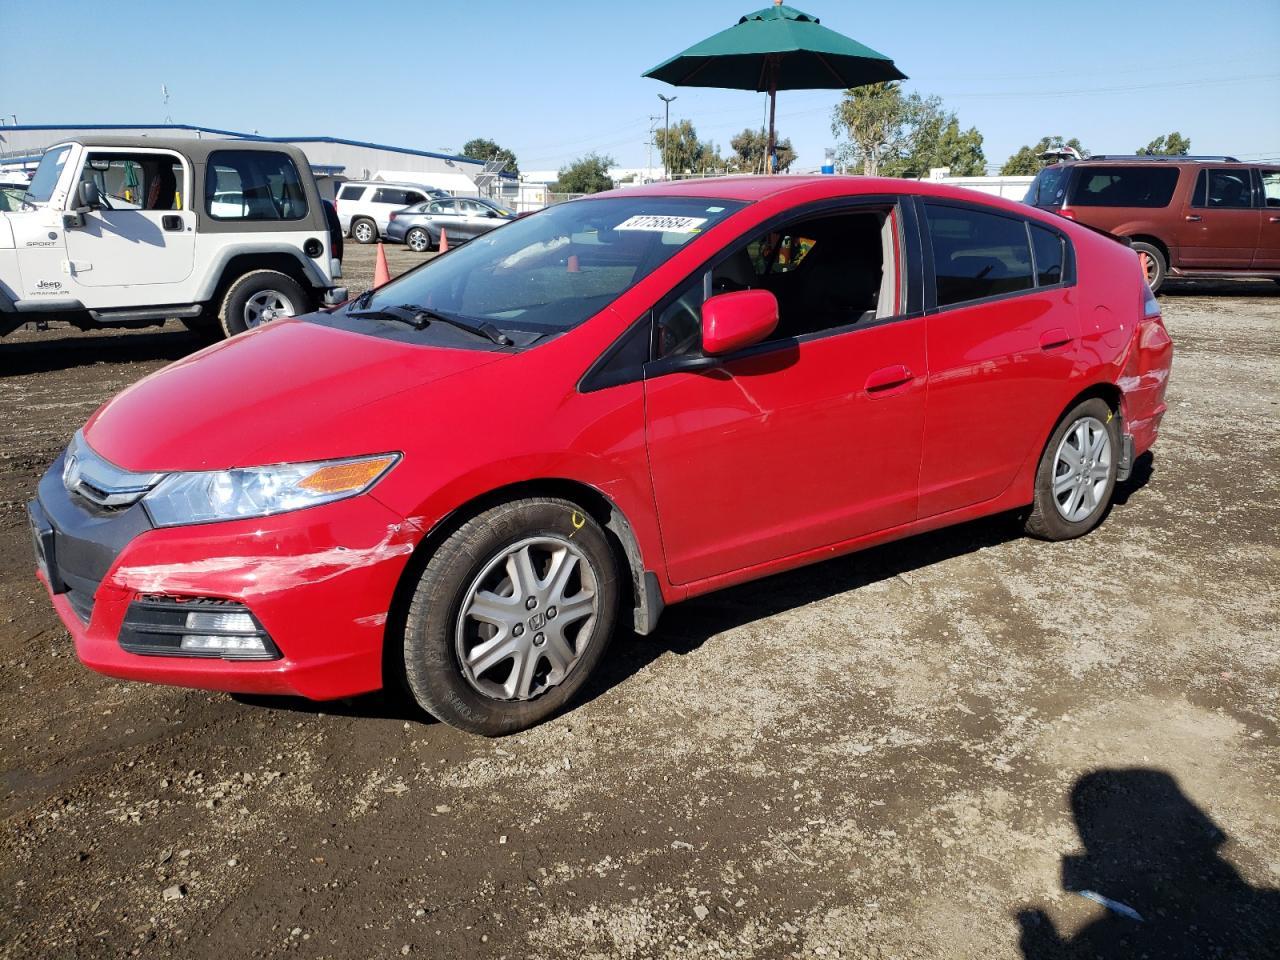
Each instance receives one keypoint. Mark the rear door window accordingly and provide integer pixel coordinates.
(265, 184)
(1225, 189)
(394, 195)
(977, 255)
(1270, 187)
(1136, 186)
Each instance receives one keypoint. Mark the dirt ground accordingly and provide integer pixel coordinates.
(911, 752)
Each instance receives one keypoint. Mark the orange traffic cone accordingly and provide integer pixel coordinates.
(573, 265)
(381, 274)
(444, 241)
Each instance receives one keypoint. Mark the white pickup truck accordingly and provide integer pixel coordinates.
(129, 232)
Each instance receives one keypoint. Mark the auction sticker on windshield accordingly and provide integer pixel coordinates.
(662, 224)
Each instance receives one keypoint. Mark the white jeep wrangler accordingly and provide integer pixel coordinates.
(130, 232)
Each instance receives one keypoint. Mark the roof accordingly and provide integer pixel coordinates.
(198, 150)
(818, 187)
(241, 136)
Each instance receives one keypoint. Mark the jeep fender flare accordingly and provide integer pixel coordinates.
(215, 273)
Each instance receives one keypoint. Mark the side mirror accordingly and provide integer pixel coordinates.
(90, 198)
(731, 321)
(491, 213)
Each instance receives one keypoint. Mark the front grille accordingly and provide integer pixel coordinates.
(156, 626)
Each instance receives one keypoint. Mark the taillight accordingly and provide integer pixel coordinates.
(392, 217)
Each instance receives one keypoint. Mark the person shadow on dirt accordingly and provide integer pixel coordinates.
(1153, 854)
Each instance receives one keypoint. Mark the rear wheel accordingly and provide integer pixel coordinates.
(511, 615)
(1154, 265)
(418, 240)
(1077, 473)
(364, 230)
(259, 297)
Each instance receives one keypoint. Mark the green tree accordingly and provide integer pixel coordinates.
(683, 152)
(893, 134)
(1173, 145)
(1027, 162)
(486, 150)
(589, 174)
(749, 149)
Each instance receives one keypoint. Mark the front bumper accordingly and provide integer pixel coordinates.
(320, 581)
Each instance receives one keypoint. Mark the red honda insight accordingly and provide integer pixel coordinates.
(466, 480)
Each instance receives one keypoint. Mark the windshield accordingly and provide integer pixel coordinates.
(47, 174)
(548, 273)
(1047, 188)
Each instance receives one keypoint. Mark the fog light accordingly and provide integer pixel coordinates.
(166, 626)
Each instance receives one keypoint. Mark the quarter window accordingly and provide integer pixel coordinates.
(253, 185)
(351, 193)
(1048, 249)
(1138, 186)
(977, 255)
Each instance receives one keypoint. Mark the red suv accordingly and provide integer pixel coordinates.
(467, 479)
(1191, 217)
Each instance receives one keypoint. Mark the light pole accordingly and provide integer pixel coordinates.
(666, 134)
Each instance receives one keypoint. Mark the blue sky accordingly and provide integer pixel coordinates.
(554, 80)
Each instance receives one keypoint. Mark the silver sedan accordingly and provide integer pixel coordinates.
(461, 218)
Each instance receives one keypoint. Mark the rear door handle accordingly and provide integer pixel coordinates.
(1054, 339)
(884, 380)
(1193, 218)
(171, 222)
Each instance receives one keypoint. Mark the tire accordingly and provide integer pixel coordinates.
(364, 230)
(1157, 267)
(418, 240)
(259, 297)
(441, 634)
(1079, 504)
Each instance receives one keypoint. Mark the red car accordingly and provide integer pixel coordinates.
(467, 479)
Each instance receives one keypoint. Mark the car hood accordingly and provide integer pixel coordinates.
(227, 405)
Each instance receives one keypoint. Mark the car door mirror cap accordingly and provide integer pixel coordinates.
(733, 321)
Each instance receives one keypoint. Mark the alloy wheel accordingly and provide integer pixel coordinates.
(527, 619)
(418, 241)
(265, 306)
(1081, 469)
(363, 232)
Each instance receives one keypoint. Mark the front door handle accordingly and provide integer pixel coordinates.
(171, 222)
(1193, 218)
(884, 380)
(1054, 339)
(1274, 219)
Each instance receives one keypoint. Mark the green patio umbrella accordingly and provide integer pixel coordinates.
(777, 48)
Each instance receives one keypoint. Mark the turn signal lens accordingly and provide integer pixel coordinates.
(344, 477)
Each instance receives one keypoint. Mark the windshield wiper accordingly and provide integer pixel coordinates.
(420, 317)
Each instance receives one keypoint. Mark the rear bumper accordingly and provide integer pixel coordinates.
(320, 581)
(1144, 383)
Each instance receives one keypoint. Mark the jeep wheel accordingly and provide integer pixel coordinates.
(364, 231)
(258, 298)
(418, 240)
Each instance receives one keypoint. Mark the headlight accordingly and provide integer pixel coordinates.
(184, 498)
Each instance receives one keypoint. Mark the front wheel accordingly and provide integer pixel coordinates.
(418, 240)
(511, 616)
(1077, 473)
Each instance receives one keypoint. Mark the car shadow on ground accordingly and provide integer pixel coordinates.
(1152, 859)
(1220, 288)
(686, 626)
(79, 350)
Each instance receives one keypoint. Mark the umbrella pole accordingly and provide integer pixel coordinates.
(773, 107)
